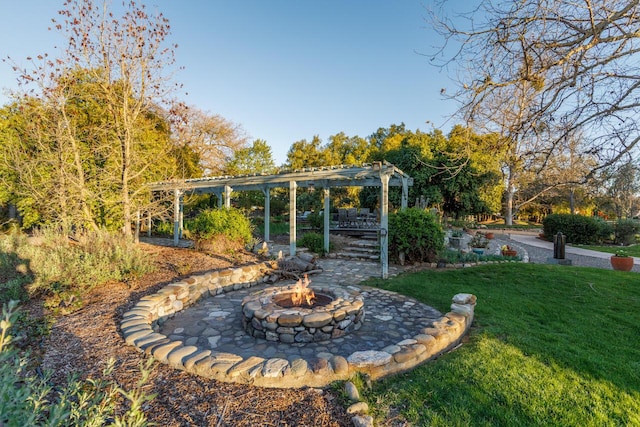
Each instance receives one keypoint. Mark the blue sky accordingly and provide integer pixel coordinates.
(284, 70)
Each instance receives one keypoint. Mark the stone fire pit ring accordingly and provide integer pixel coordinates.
(263, 317)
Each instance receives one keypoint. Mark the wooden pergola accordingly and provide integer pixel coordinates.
(377, 174)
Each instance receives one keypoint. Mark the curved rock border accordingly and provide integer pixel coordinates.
(140, 325)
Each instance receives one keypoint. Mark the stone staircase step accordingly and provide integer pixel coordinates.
(361, 250)
(358, 255)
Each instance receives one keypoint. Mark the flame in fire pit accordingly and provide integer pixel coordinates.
(302, 292)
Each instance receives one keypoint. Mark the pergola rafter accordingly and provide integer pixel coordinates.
(377, 174)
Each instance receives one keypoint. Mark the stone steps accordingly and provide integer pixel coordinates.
(361, 249)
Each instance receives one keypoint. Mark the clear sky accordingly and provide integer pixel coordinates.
(285, 70)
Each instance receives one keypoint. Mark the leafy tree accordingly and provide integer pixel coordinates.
(256, 158)
(538, 72)
(305, 154)
(123, 61)
(345, 150)
(623, 186)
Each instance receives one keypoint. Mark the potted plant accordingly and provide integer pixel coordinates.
(479, 243)
(621, 261)
(508, 251)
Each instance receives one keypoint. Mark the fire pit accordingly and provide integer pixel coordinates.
(301, 313)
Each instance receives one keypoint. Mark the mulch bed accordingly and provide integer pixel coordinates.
(82, 343)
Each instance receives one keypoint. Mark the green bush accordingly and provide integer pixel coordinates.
(625, 231)
(28, 400)
(316, 221)
(231, 223)
(314, 242)
(163, 228)
(579, 229)
(453, 256)
(416, 233)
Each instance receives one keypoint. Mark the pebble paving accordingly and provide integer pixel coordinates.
(215, 323)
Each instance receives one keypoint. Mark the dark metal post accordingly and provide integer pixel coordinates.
(559, 242)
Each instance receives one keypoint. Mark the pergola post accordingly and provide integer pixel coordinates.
(405, 193)
(227, 196)
(267, 212)
(149, 224)
(292, 217)
(327, 216)
(384, 224)
(176, 217)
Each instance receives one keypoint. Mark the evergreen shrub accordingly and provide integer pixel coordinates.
(416, 233)
(231, 223)
(314, 242)
(579, 229)
(625, 231)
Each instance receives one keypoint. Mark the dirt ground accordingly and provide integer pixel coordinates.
(84, 341)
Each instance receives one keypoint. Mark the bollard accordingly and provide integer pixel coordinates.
(559, 242)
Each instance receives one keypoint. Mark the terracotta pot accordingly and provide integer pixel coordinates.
(489, 236)
(509, 253)
(622, 263)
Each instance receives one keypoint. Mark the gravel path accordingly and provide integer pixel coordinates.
(540, 251)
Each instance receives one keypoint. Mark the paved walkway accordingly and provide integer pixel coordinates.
(215, 323)
(539, 251)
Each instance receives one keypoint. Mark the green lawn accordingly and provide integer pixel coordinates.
(633, 250)
(550, 345)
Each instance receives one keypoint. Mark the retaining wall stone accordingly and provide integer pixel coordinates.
(140, 327)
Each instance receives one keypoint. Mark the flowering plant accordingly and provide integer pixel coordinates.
(621, 253)
(505, 248)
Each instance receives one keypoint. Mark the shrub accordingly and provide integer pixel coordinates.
(579, 229)
(416, 233)
(27, 400)
(625, 231)
(316, 221)
(63, 266)
(231, 223)
(314, 242)
(163, 228)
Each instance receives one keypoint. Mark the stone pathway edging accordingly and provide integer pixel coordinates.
(140, 327)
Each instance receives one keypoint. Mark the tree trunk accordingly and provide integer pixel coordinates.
(508, 208)
(572, 201)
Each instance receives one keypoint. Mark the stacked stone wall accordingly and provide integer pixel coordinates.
(140, 327)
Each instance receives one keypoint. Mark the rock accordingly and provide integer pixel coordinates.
(299, 367)
(290, 320)
(362, 421)
(369, 358)
(274, 367)
(352, 391)
(317, 320)
(245, 366)
(175, 357)
(358, 408)
(339, 364)
(464, 299)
